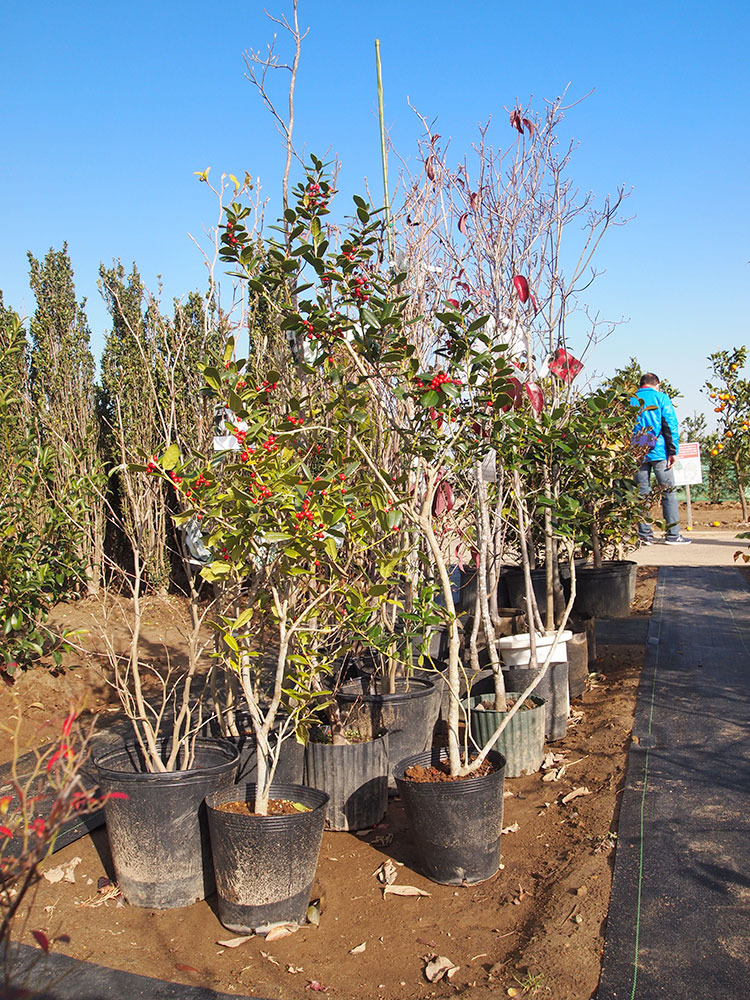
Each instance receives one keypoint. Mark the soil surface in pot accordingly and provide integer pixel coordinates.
(524, 922)
(276, 807)
(441, 772)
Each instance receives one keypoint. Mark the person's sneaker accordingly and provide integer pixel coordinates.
(680, 540)
(646, 541)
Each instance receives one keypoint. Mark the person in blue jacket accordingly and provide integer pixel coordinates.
(656, 429)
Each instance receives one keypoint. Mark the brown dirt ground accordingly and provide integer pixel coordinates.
(729, 515)
(537, 927)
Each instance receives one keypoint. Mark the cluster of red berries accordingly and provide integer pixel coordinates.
(361, 291)
(239, 435)
(153, 465)
(266, 386)
(230, 237)
(296, 421)
(440, 379)
(305, 514)
(245, 455)
(241, 383)
(176, 480)
(348, 254)
(314, 196)
(270, 445)
(202, 481)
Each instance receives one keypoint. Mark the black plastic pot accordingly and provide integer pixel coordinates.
(516, 586)
(522, 740)
(291, 765)
(355, 778)
(408, 716)
(553, 689)
(158, 834)
(578, 664)
(605, 592)
(265, 865)
(456, 825)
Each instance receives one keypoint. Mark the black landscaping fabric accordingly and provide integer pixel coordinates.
(57, 977)
(679, 917)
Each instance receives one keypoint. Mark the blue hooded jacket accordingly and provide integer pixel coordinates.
(658, 422)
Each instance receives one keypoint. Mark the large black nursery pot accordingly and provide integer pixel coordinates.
(158, 833)
(522, 740)
(291, 765)
(408, 715)
(355, 778)
(265, 865)
(456, 825)
(578, 663)
(515, 583)
(606, 591)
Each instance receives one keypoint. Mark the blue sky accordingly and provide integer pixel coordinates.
(108, 109)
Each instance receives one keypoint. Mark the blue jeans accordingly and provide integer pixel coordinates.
(669, 505)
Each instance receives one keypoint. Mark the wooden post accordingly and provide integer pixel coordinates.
(689, 507)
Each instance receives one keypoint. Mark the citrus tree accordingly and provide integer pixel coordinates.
(730, 393)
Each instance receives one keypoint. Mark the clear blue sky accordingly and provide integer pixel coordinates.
(108, 109)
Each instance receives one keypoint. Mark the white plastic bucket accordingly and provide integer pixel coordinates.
(515, 649)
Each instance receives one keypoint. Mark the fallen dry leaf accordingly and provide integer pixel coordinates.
(438, 967)
(387, 872)
(280, 931)
(403, 890)
(66, 871)
(269, 958)
(382, 840)
(234, 942)
(513, 828)
(294, 969)
(313, 912)
(187, 968)
(554, 775)
(359, 949)
(575, 794)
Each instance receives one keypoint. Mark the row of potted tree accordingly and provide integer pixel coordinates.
(367, 454)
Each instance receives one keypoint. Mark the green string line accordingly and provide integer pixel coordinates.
(643, 810)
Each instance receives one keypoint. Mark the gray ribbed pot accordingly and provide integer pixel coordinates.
(355, 778)
(578, 664)
(553, 688)
(522, 740)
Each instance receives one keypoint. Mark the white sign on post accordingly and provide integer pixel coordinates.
(687, 465)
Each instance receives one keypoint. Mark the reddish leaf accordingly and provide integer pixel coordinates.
(41, 938)
(454, 302)
(187, 968)
(514, 389)
(522, 287)
(474, 199)
(68, 724)
(530, 126)
(515, 120)
(443, 501)
(535, 397)
(429, 167)
(534, 303)
(564, 365)
(462, 228)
